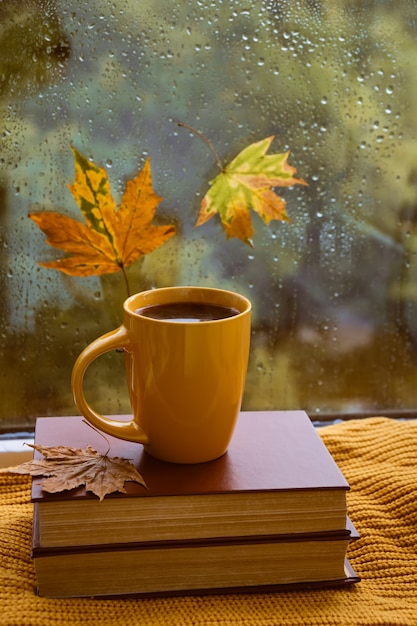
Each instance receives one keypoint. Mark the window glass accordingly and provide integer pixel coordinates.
(334, 290)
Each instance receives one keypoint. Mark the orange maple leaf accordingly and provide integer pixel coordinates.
(110, 239)
(247, 182)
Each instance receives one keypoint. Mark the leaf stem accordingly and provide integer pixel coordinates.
(206, 141)
(99, 433)
(122, 267)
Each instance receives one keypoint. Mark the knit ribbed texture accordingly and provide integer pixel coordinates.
(378, 457)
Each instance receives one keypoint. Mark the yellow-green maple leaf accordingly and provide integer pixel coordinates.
(110, 239)
(247, 182)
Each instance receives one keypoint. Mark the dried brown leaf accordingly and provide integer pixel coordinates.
(66, 468)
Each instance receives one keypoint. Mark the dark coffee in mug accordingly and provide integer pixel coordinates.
(187, 312)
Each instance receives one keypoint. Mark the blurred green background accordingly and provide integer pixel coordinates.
(334, 291)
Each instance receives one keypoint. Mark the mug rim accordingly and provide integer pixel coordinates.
(127, 305)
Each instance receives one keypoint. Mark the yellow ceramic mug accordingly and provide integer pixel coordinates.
(185, 377)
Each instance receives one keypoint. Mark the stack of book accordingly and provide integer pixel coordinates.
(269, 514)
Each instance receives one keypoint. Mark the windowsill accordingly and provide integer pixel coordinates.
(14, 451)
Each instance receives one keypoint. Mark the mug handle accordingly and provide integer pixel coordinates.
(130, 431)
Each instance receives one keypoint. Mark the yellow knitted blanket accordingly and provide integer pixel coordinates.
(378, 457)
